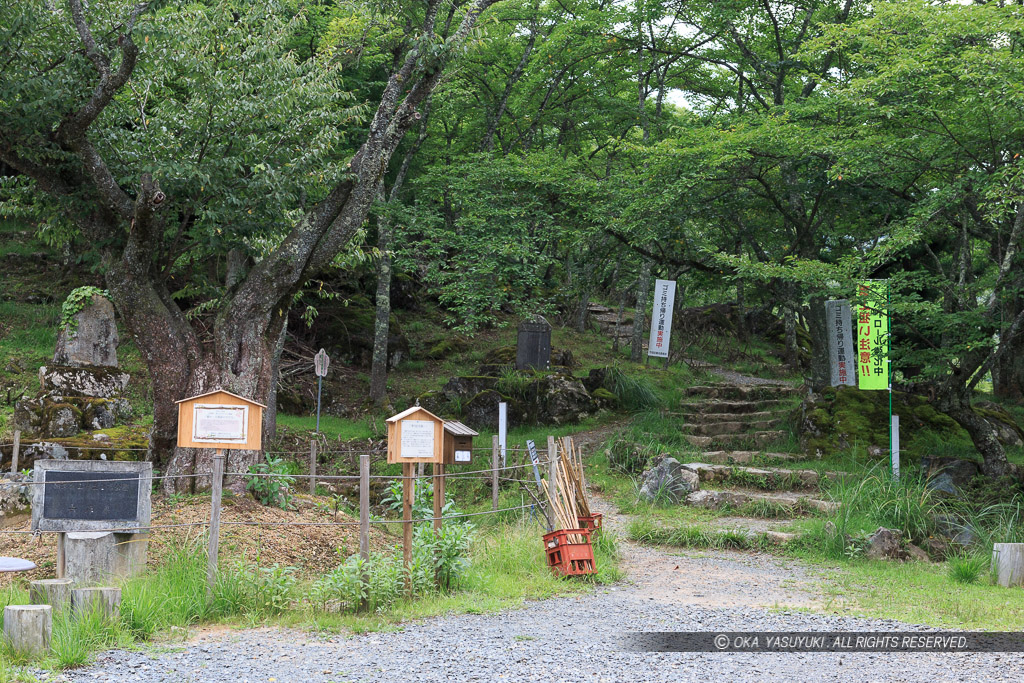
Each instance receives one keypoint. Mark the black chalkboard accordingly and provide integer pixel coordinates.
(79, 495)
(533, 346)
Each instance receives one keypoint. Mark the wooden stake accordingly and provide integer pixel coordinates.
(438, 494)
(407, 494)
(364, 507)
(312, 467)
(217, 484)
(495, 461)
(14, 453)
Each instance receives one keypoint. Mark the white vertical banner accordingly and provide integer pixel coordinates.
(895, 436)
(661, 318)
(502, 429)
(842, 355)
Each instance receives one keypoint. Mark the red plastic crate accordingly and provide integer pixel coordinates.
(569, 559)
(592, 522)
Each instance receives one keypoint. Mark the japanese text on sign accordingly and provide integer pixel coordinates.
(872, 336)
(840, 345)
(661, 319)
(219, 423)
(417, 439)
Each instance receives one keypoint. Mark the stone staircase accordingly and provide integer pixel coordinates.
(736, 417)
(732, 425)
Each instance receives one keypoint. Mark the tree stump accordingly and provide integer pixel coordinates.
(53, 592)
(28, 628)
(105, 600)
(1008, 563)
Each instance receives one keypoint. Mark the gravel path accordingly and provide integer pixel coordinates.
(573, 638)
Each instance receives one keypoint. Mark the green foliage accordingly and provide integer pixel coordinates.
(632, 392)
(272, 483)
(78, 299)
(967, 568)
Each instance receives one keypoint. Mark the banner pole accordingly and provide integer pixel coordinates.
(888, 363)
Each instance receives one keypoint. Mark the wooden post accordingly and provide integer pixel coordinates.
(60, 556)
(552, 479)
(438, 494)
(495, 463)
(53, 592)
(364, 506)
(217, 484)
(312, 467)
(14, 452)
(106, 601)
(1008, 563)
(407, 494)
(28, 628)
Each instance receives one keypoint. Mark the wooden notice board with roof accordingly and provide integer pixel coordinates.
(220, 419)
(415, 435)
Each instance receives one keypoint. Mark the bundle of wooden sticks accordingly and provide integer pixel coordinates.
(567, 496)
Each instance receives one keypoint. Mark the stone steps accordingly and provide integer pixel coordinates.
(728, 441)
(716, 407)
(744, 457)
(772, 476)
(791, 503)
(736, 392)
(723, 428)
(715, 418)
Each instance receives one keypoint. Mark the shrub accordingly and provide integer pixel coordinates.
(272, 482)
(967, 568)
(633, 393)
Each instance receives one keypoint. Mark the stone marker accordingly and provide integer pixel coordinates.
(105, 600)
(99, 556)
(669, 481)
(28, 628)
(1008, 563)
(53, 592)
(533, 344)
(94, 341)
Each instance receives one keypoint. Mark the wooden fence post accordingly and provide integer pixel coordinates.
(14, 452)
(408, 470)
(217, 484)
(495, 463)
(439, 495)
(364, 507)
(552, 478)
(312, 467)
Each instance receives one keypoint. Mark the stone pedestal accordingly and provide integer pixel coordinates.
(1008, 563)
(53, 592)
(106, 601)
(28, 628)
(92, 557)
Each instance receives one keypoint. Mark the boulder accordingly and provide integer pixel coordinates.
(668, 481)
(13, 496)
(948, 476)
(54, 417)
(917, 554)
(44, 451)
(78, 381)
(1008, 431)
(956, 530)
(884, 544)
(562, 400)
(93, 341)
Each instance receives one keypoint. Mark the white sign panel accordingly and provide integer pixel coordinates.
(661, 319)
(219, 423)
(462, 456)
(417, 439)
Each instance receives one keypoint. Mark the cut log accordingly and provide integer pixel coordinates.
(53, 592)
(1008, 563)
(106, 601)
(28, 628)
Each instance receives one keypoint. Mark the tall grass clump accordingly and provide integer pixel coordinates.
(967, 568)
(876, 500)
(633, 393)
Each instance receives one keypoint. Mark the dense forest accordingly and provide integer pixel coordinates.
(230, 168)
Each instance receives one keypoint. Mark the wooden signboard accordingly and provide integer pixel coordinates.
(415, 435)
(458, 443)
(220, 419)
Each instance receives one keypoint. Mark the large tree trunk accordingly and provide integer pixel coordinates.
(643, 286)
(381, 325)
(983, 434)
(817, 324)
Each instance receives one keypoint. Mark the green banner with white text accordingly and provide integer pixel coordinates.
(873, 335)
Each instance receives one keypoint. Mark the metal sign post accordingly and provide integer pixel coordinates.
(320, 365)
(502, 429)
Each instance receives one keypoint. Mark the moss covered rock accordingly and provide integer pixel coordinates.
(845, 418)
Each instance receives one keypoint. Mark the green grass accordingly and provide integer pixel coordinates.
(919, 593)
(338, 428)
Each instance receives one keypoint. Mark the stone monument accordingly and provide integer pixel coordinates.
(533, 344)
(82, 390)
